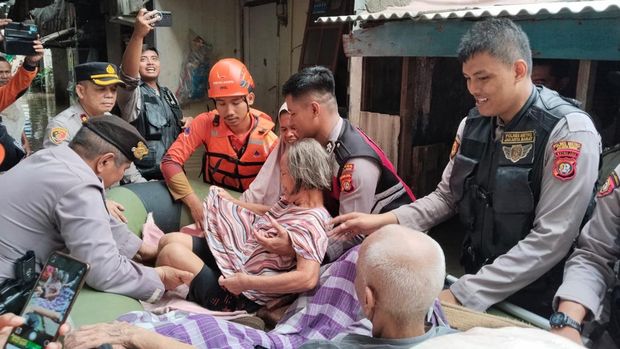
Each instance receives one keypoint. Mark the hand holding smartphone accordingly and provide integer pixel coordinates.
(49, 305)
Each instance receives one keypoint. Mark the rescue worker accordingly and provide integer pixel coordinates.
(521, 174)
(56, 203)
(151, 108)
(96, 87)
(236, 137)
(590, 272)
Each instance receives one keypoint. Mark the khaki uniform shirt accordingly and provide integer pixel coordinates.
(559, 213)
(53, 201)
(64, 126)
(589, 271)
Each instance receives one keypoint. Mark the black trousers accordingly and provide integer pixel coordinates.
(205, 289)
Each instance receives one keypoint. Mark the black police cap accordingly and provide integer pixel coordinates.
(120, 134)
(100, 73)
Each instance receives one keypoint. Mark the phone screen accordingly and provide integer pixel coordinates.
(50, 302)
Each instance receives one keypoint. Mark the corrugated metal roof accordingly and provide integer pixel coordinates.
(518, 10)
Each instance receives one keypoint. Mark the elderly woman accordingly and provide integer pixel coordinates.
(233, 271)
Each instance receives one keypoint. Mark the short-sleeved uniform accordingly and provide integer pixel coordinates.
(64, 126)
(562, 203)
(54, 201)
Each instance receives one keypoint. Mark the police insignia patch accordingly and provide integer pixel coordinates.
(58, 135)
(140, 150)
(84, 118)
(517, 152)
(455, 148)
(346, 182)
(565, 164)
(610, 185)
(346, 178)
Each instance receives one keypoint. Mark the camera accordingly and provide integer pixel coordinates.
(165, 19)
(18, 38)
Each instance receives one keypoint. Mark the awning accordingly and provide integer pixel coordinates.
(423, 10)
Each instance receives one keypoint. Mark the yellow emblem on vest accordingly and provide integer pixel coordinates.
(110, 69)
(140, 150)
(517, 152)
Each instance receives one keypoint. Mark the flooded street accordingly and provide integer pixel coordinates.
(38, 108)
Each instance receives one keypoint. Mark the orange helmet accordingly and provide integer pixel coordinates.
(229, 78)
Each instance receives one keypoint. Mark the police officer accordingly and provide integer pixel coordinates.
(237, 138)
(364, 178)
(96, 89)
(151, 108)
(521, 174)
(589, 273)
(56, 201)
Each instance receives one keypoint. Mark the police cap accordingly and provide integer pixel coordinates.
(100, 73)
(120, 134)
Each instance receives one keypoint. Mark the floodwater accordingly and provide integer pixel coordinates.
(38, 108)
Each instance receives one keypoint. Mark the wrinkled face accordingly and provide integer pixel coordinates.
(5, 73)
(109, 172)
(96, 99)
(233, 110)
(287, 182)
(492, 83)
(287, 132)
(304, 115)
(149, 65)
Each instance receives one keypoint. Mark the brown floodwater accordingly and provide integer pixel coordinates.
(39, 108)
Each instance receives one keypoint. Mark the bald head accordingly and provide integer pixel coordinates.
(404, 268)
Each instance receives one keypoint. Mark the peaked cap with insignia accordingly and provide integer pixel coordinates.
(120, 134)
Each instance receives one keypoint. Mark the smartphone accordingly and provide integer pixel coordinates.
(48, 307)
(165, 19)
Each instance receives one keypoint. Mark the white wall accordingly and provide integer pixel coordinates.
(215, 21)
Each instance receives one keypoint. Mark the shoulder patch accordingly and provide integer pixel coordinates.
(565, 163)
(346, 178)
(609, 186)
(58, 135)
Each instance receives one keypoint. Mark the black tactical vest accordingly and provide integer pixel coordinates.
(496, 183)
(391, 191)
(160, 124)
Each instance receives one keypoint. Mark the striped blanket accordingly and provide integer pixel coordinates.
(329, 311)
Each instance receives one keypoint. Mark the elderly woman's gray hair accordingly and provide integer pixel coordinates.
(309, 165)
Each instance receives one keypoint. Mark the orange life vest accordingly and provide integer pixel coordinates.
(236, 170)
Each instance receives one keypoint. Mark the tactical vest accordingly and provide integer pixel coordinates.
(391, 191)
(160, 124)
(226, 168)
(497, 182)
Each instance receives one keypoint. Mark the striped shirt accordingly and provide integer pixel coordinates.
(231, 235)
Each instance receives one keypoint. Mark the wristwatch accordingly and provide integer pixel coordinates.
(559, 320)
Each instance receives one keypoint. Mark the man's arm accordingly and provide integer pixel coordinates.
(174, 159)
(22, 78)
(559, 212)
(589, 271)
(83, 223)
(129, 99)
